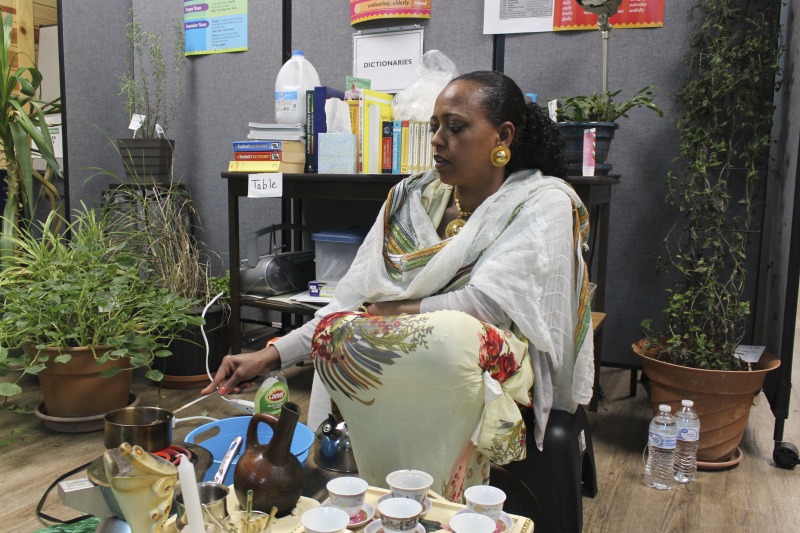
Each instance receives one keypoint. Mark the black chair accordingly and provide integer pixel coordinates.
(559, 475)
(519, 498)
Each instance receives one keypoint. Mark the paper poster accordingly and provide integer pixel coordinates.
(517, 16)
(630, 14)
(215, 26)
(362, 10)
(387, 57)
(530, 16)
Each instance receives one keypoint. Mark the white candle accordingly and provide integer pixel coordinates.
(191, 496)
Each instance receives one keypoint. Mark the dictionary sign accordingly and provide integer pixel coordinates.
(388, 57)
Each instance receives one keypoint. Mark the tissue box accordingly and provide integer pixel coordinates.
(337, 153)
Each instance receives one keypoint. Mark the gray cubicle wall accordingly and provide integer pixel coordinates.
(223, 92)
(556, 65)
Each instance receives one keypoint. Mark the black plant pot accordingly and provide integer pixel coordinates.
(186, 367)
(572, 133)
(146, 160)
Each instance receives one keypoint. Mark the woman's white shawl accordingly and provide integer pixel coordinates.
(526, 246)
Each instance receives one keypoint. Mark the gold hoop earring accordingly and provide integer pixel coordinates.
(500, 156)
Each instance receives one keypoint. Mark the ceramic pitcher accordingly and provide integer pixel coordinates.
(271, 470)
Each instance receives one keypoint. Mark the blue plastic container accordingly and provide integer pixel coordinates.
(216, 437)
(334, 252)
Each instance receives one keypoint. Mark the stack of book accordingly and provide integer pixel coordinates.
(385, 145)
(268, 156)
(276, 132)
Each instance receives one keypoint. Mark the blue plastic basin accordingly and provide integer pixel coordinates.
(217, 436)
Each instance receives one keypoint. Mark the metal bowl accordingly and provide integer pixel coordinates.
(148, 427)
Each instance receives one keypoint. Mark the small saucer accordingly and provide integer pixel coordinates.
(377, 527)
(504, 523)
(366, 514)
(426, 503)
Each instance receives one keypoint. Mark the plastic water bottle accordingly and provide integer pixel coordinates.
(688, 424)
(272, 394)
(658, 473)
(295, 78)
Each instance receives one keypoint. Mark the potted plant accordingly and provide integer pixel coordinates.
(598, 111)
(163, 218)
(83, 305)
(725, 132)
(23, 132)
(152, 92)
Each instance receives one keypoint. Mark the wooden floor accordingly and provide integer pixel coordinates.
(755, 496)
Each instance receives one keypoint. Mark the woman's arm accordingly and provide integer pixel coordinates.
(236, 372)
(399, 307)
(471, 301)
(468, 300)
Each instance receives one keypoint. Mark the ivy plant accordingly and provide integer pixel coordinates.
(725, 132)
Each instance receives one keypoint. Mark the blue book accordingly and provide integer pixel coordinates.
(397, 143)
(321, 93)
(268, 146)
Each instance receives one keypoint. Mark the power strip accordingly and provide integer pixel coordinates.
(245, 406)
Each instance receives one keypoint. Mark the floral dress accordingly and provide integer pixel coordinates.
(436, 392)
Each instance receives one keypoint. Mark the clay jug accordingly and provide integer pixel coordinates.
(275, 475)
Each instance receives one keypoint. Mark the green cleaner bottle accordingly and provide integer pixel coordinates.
(272, 394)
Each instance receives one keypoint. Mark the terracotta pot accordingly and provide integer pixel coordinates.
(721, 398)
(76, 388)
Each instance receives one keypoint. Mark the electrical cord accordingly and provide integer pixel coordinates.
(242, 405)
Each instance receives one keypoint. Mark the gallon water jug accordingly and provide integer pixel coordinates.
(295, 78)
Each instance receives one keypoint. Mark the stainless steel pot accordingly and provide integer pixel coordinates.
(213, 494)
(148, 427)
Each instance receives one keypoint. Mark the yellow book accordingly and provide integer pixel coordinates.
(266, 166)
(376, 108)
(355, 126)
(404, 147)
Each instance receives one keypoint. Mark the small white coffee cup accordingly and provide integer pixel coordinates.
(324, 520)
(485, 500)
(471, 523)
(412, 484)
(347, 493)
(399, 515)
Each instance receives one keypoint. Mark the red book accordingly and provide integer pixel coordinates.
(257, 156)
(386, 147)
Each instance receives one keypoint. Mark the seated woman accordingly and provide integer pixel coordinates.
(470, 282)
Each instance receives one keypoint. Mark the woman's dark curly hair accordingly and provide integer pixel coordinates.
(537, 143)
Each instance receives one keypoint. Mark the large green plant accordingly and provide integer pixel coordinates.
(23, 133)
(725, 134)
(150, 86)
(601, 107)
(89, 291)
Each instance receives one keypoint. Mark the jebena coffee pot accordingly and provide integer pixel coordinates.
(273, 473)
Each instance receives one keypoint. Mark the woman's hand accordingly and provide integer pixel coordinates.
(409, 307)
(236, 371)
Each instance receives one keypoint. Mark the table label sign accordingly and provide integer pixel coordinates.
(749, 354)
(265, 185)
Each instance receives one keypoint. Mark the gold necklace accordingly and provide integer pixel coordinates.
(455, 225)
